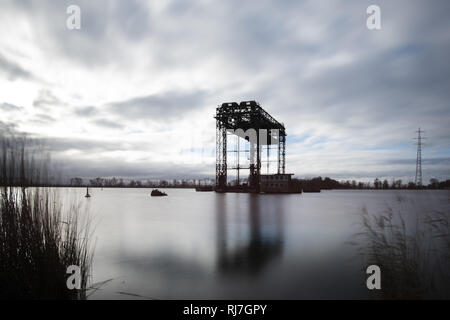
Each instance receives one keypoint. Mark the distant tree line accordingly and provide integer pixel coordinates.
(136, 183)
(328, 184)
(317, 183)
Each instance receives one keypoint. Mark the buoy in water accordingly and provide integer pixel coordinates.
(87, 193)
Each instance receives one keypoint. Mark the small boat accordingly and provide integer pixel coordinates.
(87, 193)
(157, 193)
(204, 188)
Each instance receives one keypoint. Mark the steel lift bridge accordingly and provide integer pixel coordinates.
(247, 120)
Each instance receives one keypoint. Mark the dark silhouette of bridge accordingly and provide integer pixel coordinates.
(250, 122)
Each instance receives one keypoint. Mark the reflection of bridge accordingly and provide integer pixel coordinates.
(263, 244)
(250, 122)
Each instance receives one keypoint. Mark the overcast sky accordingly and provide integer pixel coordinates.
(133, 92)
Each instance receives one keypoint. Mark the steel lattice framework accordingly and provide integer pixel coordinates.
(240, 119)
(418, 179)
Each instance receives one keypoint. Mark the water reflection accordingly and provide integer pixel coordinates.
(231, 246)
(261, 241)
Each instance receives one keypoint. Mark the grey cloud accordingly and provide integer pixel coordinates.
(12, 70)
(385, 93)
(43, 118)
(108, 124)
(85, 111)
(9, 107)
(85, 145)
(167, 105)
(47, 99)
(445, 162)
(396, 80)
(104, 26)
(133, 19)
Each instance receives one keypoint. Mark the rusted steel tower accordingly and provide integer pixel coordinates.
(247, 120)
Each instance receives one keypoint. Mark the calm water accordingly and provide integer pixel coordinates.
(203, 245)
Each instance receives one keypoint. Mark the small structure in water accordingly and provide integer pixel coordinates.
(278, 183)
(157, 193)
(87, 193)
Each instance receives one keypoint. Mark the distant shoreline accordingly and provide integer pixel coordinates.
(193, 187)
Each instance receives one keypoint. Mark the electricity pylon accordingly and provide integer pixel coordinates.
(418, 180)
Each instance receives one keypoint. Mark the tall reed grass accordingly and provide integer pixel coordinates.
(39, 238)
(411, 245)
